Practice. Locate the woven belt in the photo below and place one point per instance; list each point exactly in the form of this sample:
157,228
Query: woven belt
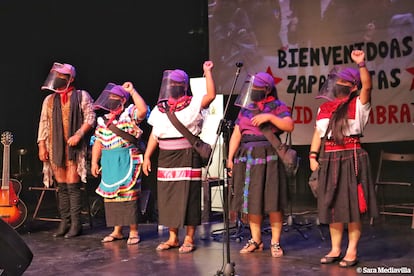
174,144
350,143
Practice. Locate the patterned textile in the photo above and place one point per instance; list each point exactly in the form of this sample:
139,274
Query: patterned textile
127,122
358,116
179,167
121,161
121,169
343,167
179,188
244,117
259,181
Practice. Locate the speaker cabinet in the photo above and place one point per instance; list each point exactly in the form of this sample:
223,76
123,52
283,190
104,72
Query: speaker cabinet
15,255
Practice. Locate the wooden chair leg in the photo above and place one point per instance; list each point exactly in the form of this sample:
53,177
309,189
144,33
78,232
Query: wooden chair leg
39,202
412,220
371,221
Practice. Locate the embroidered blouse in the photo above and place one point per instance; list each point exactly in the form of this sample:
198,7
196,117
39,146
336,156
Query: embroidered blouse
358,116
191,117
244,117
128,121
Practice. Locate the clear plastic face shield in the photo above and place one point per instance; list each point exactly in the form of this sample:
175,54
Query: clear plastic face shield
59,79
251,94
109,99
339,84
174,85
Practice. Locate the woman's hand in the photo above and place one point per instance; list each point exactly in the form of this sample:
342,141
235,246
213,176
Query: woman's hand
261,118
95,169
358,56
146,166
230,167
314,164
43,153
129,87
208,65
74,140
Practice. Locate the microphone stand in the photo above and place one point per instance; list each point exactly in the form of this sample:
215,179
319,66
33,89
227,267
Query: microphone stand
229,267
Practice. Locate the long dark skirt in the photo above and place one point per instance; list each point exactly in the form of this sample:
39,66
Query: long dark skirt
179,188
122,213
258,179
337,191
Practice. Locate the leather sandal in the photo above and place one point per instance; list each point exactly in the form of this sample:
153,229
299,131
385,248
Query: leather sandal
133,240
112,238
252,246
166,246
330,260
276,250
187,248
344,263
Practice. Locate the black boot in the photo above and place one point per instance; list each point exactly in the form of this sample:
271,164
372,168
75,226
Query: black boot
64,210
75,210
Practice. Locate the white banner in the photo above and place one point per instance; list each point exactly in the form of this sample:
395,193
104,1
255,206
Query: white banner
299,41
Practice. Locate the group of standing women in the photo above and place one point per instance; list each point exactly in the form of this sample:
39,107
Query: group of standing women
259,185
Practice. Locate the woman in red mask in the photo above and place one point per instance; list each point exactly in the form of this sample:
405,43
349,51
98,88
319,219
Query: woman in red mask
179,166
258,176
346,189
117,157
66,116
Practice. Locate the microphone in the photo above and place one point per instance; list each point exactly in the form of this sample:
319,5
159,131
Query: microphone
239,64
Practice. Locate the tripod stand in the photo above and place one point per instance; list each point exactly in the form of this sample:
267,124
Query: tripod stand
291,222
295,224
234,232
237,234
228,269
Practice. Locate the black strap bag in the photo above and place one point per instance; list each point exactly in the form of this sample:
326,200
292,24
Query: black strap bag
285,152
129,137
204,149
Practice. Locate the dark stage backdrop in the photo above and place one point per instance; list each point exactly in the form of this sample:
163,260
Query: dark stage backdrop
107,41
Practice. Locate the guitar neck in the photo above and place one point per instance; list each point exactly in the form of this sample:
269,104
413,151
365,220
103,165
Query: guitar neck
6,168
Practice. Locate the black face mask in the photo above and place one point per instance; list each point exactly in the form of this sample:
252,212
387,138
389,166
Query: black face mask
176,91
341,90
257,95
113,104
60,83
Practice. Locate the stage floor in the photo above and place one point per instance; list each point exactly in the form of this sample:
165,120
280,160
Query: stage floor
389,244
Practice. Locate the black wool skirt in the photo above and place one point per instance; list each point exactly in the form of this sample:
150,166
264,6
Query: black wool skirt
339,176
122,213
259,184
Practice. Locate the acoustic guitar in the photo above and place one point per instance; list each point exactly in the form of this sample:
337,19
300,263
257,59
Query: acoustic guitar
12,208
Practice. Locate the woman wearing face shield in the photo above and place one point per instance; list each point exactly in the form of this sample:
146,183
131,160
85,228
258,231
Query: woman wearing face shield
118,160
179,165
346,188
66,116
258,176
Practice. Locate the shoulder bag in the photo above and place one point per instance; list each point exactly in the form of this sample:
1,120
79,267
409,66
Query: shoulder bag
285,152
203,148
